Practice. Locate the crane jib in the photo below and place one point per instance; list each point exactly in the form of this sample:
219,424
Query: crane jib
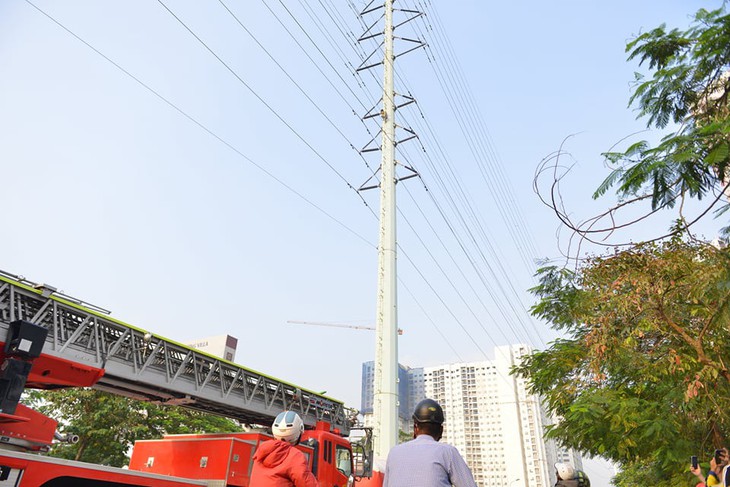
141,365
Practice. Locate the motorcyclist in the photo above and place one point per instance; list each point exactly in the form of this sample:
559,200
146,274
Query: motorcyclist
423,461
568,476
277,463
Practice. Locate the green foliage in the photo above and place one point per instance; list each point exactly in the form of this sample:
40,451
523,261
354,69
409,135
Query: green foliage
641,378
108,425
404,436
646,474
689,87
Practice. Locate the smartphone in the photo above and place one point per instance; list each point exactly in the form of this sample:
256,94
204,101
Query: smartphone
718,456
693,459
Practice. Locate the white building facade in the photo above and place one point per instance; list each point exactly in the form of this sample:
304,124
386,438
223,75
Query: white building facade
223,346
494,422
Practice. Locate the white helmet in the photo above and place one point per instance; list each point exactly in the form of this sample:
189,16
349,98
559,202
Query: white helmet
288,426
565,471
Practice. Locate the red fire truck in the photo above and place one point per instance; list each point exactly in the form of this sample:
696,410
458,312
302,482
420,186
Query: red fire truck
50,340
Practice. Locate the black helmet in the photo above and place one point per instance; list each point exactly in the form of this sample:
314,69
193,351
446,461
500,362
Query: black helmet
428,411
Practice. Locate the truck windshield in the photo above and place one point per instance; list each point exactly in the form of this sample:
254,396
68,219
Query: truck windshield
344,461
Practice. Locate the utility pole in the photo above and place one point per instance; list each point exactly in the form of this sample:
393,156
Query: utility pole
385,400
385,407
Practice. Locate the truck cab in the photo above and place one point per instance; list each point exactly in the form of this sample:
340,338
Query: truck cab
333,456
228,457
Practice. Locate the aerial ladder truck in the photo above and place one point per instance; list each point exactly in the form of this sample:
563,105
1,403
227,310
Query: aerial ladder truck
50,340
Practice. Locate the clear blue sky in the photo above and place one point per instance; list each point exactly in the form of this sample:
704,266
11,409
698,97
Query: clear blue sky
116,198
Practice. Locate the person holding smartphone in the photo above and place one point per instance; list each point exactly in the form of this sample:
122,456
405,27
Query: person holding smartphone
717,463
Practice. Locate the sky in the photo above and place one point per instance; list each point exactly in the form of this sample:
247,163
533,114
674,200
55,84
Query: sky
201,179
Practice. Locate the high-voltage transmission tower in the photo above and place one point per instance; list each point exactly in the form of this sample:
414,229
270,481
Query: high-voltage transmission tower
385,406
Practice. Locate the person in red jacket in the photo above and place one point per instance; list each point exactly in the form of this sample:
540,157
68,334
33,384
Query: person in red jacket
277,463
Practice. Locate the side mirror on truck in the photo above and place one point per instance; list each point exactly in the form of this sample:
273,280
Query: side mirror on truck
363,460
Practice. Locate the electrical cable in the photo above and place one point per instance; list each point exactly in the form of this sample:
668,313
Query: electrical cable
269,107
301,90
199,124
497,301
454,73
428,317
497,260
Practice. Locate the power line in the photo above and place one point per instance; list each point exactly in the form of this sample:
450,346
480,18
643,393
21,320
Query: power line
441,268
506,194
459,191
453,286
428,317
336,48
476,267
474,217
313,43
226,143
269,107
497,302
301,90
200,124
497,262
454,74
448,309
298,23
461,271
476,147
316,65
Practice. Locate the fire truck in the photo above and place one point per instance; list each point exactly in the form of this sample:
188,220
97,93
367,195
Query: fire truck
51,340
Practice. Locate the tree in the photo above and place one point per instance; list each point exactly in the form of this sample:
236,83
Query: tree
643,377
689,87
685,93
108,425
404,436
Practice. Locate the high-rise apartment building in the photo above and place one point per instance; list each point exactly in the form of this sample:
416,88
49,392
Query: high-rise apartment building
569,456
492,420
410,391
